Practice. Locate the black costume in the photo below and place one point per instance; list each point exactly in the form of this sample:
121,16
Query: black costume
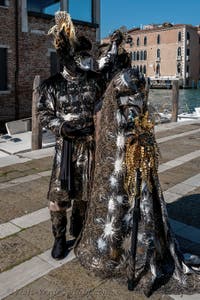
67,106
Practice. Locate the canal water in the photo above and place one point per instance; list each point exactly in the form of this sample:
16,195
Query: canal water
161,99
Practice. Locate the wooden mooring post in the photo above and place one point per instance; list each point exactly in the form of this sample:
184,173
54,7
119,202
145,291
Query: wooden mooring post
36,127
175,100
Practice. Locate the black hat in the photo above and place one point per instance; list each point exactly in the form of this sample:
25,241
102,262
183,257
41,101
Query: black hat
82,44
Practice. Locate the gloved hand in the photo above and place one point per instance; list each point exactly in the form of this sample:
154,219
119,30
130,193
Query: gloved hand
72,131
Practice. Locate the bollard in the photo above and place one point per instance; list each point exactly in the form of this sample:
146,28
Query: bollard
36,127
175,100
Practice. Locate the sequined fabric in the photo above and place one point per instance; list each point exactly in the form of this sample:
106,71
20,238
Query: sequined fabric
71,100
127,231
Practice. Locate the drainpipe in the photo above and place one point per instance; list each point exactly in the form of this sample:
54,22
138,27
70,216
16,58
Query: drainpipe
16,60
64,5
96,17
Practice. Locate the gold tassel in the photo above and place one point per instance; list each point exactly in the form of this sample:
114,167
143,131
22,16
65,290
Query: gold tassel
142,153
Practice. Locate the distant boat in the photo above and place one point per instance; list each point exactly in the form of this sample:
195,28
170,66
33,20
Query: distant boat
165,117
190,116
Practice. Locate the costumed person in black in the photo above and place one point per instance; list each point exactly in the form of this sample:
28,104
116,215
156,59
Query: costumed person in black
127,228
66,107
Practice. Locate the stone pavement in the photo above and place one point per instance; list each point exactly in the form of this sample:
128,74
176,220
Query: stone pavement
27,270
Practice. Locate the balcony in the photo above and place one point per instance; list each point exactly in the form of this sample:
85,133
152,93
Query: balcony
179,58
187,75
187,58
157,59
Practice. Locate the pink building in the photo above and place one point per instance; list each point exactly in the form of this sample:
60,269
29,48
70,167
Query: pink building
167,52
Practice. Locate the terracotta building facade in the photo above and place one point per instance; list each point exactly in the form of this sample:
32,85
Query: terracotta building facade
167,52
26,50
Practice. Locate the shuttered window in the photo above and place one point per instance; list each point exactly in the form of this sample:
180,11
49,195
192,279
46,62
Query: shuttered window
3,69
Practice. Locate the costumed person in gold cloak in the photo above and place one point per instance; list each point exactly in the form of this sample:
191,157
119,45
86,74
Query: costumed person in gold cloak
67,105
127,228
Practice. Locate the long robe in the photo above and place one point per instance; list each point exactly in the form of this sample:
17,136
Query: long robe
127,229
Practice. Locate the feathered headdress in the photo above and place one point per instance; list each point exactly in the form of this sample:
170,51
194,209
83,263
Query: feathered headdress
64,25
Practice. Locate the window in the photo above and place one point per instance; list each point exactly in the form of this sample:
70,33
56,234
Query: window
158,69
188,36
179,36
179,51
141,69
138,55
158,53
144,69
54,63
134,55
145,55
138,41
187,69
188,52
145,41
179,68
158,39
3,68
49,7
81,10
141,55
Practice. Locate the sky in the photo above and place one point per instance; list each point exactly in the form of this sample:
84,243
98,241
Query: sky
135,13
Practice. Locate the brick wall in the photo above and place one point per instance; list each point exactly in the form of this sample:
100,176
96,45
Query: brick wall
7,39
34,57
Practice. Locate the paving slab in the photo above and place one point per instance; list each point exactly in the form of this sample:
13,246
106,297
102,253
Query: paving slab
32,219
14,250
23,199
75,279
178,174
37,154
41,289
162,131
179,135
176,148
10,281
176,125
11,160
29,167
40,236
179,161
7,229
30,270
186,297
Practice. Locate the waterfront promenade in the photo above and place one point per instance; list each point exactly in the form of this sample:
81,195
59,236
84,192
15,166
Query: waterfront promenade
27,270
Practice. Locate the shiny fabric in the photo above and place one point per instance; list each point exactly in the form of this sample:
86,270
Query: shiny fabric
127,229
71,101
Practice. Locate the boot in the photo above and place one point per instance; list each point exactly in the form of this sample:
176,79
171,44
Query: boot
59,223
77,217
